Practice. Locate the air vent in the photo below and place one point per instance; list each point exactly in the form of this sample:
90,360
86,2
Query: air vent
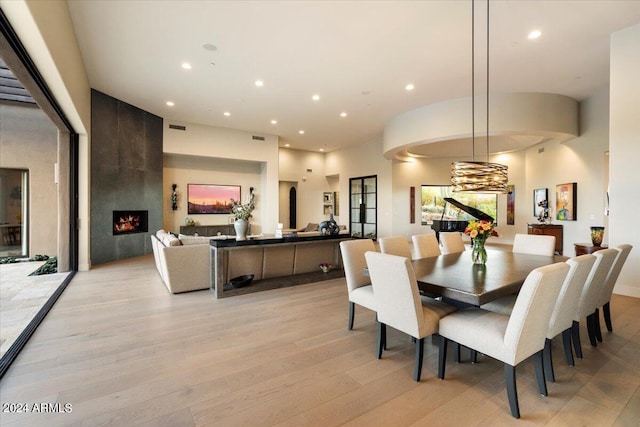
176,127
540,150
257,138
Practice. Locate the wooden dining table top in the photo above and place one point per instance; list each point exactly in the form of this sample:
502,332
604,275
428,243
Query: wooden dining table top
455,277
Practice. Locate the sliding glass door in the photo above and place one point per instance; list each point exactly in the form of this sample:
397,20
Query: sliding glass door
14,212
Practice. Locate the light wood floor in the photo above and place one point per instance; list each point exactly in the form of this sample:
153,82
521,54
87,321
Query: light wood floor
122,352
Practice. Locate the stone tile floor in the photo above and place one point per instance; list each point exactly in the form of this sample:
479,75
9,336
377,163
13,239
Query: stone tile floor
21,297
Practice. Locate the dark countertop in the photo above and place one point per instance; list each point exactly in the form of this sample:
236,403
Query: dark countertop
232,243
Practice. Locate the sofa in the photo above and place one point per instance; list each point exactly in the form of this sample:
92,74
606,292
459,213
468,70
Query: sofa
182,261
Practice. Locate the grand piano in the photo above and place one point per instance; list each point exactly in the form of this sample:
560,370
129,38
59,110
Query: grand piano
446,225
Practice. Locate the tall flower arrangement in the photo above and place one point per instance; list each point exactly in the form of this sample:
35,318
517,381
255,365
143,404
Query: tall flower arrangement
243,211
479,231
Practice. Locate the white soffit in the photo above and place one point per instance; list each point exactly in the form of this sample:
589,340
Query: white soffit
517,121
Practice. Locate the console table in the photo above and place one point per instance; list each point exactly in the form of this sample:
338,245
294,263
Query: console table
208,230
587,248
289,260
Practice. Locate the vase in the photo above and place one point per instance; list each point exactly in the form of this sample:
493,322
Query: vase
241,226
596,235
478,252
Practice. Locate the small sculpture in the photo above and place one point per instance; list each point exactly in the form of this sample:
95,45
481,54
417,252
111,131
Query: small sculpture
329,227
174,197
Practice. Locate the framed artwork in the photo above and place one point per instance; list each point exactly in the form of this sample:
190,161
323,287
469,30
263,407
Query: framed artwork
432,204
511,204
540,199
211,198
328,198
566,201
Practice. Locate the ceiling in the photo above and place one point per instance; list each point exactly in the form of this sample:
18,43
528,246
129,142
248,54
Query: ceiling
358,56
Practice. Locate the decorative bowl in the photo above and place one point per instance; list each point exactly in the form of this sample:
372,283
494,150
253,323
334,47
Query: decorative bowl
241,281
325,267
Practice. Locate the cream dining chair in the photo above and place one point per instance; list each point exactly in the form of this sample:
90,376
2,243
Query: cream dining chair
397,245
358,283
589,297
399,305
535,244
425,246
451,242
565,308
604,298
510,339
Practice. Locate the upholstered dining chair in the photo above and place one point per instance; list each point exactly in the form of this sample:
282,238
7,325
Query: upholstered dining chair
397,245
589,297
534,244
561,318
604,298
399,305
425,246
358,283
510,339
451,242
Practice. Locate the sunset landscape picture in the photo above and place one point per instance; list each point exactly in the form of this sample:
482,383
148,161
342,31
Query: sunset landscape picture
210,198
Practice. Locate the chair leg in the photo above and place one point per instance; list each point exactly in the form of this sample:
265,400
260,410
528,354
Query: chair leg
442,356
474,356
606,313
417,372
566,343
457,353
382,338
538,361
597,330
512,391
547,358
352,313
591,326
575,337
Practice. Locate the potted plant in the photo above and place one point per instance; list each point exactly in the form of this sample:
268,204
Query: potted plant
241,214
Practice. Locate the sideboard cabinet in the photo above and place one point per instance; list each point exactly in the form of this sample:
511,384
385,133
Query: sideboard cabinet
548,230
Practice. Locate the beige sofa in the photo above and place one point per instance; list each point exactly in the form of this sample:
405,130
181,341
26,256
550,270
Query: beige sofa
183,264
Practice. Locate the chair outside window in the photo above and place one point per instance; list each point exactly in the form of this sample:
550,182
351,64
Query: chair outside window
398,245
534,244
510,339
358,283
451,242
425,246
399,304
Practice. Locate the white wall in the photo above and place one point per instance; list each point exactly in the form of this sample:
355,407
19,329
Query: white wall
624,138
363,160
579,160
208,144
23,132
307,169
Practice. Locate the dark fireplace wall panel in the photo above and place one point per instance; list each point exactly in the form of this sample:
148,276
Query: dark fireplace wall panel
126,174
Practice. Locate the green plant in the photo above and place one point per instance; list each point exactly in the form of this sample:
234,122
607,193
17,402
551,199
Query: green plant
49,267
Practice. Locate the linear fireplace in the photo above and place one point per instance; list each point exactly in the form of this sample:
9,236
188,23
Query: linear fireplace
129,222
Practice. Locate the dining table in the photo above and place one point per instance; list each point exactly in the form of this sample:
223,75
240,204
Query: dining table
455,276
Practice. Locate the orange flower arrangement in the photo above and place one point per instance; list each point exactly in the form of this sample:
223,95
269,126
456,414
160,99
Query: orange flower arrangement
480,230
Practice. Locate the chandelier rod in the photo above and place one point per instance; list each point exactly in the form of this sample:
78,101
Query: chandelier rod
487,80
473,81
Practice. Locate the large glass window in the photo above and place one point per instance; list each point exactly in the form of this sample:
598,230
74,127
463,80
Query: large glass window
13,212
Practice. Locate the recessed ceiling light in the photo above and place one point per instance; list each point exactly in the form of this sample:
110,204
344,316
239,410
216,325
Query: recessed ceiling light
186,65
409,87
226,113
534,34
343,114
316,97
170,103
210,47
259,83
287,145
322,149
301,132
274,122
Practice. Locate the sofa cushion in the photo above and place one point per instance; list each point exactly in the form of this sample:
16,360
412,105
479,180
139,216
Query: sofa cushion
311,227
193,240
170,240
